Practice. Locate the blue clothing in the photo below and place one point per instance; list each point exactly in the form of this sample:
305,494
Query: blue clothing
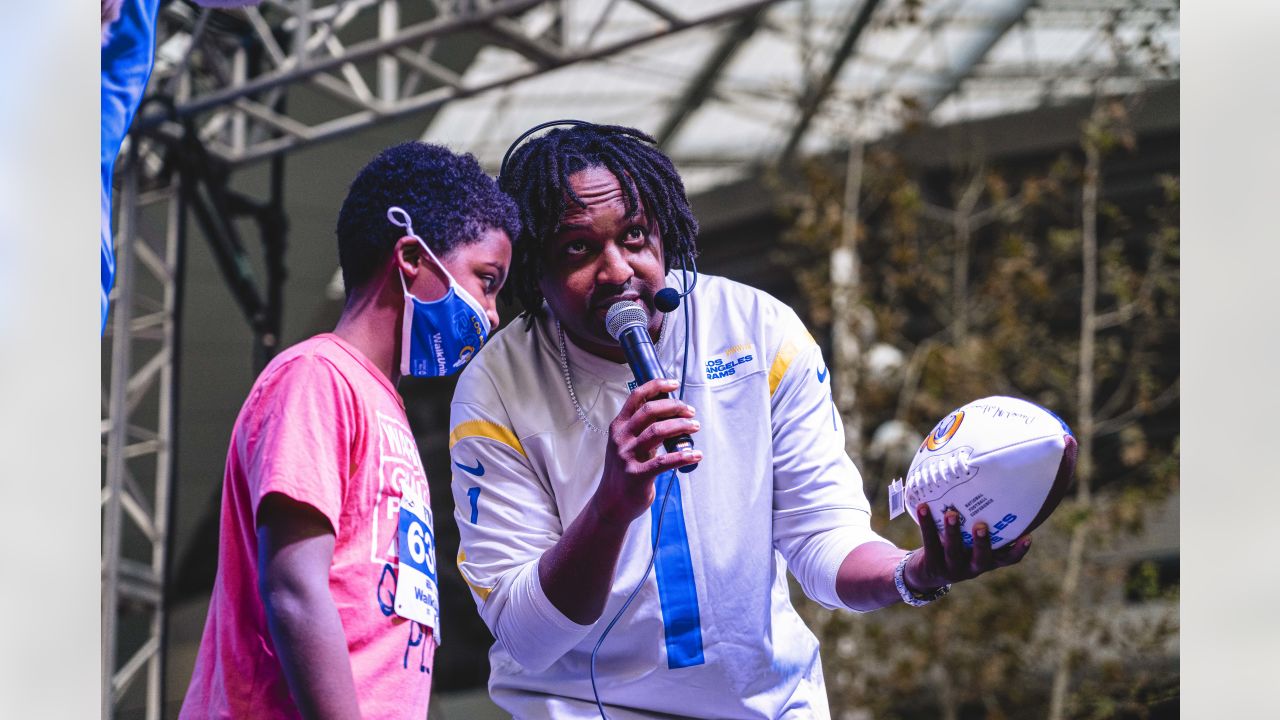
713,633
126,66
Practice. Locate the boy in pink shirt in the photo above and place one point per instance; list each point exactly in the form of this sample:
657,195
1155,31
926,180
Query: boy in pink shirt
325,602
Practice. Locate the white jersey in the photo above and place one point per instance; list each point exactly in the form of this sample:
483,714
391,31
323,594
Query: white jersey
712,634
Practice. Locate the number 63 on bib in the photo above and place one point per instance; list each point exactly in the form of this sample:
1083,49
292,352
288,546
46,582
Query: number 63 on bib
417,597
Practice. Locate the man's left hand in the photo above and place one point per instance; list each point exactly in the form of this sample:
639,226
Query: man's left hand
945,558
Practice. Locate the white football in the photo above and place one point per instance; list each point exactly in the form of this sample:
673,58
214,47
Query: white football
999,460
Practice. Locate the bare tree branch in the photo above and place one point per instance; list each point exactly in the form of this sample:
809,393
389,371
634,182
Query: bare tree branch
1119,316
1108,409
1160,402
984,217
911,376
936,212
846,294
1129,310
1067,629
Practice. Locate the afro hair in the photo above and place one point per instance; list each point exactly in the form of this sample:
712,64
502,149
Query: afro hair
449,198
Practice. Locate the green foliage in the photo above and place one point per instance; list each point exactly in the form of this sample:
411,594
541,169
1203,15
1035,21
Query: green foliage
987,651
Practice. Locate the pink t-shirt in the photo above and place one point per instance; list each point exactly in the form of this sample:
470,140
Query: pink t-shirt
324,427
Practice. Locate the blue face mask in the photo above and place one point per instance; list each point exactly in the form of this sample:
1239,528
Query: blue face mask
440,336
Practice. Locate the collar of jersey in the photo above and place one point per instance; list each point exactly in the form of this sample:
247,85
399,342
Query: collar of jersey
591,373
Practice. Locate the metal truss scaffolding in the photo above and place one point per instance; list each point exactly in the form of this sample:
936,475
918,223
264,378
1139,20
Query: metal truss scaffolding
138,435
746,83
140,427
379,60
217,101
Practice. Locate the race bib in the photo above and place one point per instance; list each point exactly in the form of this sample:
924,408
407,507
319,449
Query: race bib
417,597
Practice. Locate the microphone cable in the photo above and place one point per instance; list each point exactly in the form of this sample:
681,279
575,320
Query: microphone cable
657,532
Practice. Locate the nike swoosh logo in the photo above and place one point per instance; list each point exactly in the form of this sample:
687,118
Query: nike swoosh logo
478,470
822,375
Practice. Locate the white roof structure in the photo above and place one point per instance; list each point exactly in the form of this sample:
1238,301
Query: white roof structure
725,85
809,75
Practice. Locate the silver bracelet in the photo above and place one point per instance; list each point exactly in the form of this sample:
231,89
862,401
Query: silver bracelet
909,597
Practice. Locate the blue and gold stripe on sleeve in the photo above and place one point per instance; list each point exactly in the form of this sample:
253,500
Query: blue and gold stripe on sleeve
791,347
485,429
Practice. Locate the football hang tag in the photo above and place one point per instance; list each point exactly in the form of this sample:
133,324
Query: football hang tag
417,597
896,504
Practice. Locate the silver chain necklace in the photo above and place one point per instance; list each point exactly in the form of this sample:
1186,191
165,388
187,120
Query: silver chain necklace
568,378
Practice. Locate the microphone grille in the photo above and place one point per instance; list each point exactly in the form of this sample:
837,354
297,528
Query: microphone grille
624,314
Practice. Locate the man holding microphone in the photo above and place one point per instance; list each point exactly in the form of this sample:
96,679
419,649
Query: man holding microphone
566,494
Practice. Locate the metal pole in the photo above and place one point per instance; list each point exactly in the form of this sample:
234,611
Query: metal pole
166,461
121,367
388,68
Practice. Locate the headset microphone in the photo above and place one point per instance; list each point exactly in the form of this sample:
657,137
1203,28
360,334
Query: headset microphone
668,299
502,169
640,351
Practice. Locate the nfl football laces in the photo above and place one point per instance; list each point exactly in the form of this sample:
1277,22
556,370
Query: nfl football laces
936,476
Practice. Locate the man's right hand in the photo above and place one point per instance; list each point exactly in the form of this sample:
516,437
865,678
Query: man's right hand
635,455
577,572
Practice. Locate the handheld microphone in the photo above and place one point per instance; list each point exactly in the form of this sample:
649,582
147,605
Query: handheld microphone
628,323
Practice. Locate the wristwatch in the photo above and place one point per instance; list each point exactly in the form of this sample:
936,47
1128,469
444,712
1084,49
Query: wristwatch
908,596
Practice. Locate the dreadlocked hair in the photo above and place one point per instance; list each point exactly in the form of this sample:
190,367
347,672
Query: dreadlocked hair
537,178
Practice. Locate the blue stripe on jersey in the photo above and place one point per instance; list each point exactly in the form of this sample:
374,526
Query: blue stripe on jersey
676,589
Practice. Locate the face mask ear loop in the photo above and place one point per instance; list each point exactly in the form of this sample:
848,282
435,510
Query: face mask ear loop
400,218
394,215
